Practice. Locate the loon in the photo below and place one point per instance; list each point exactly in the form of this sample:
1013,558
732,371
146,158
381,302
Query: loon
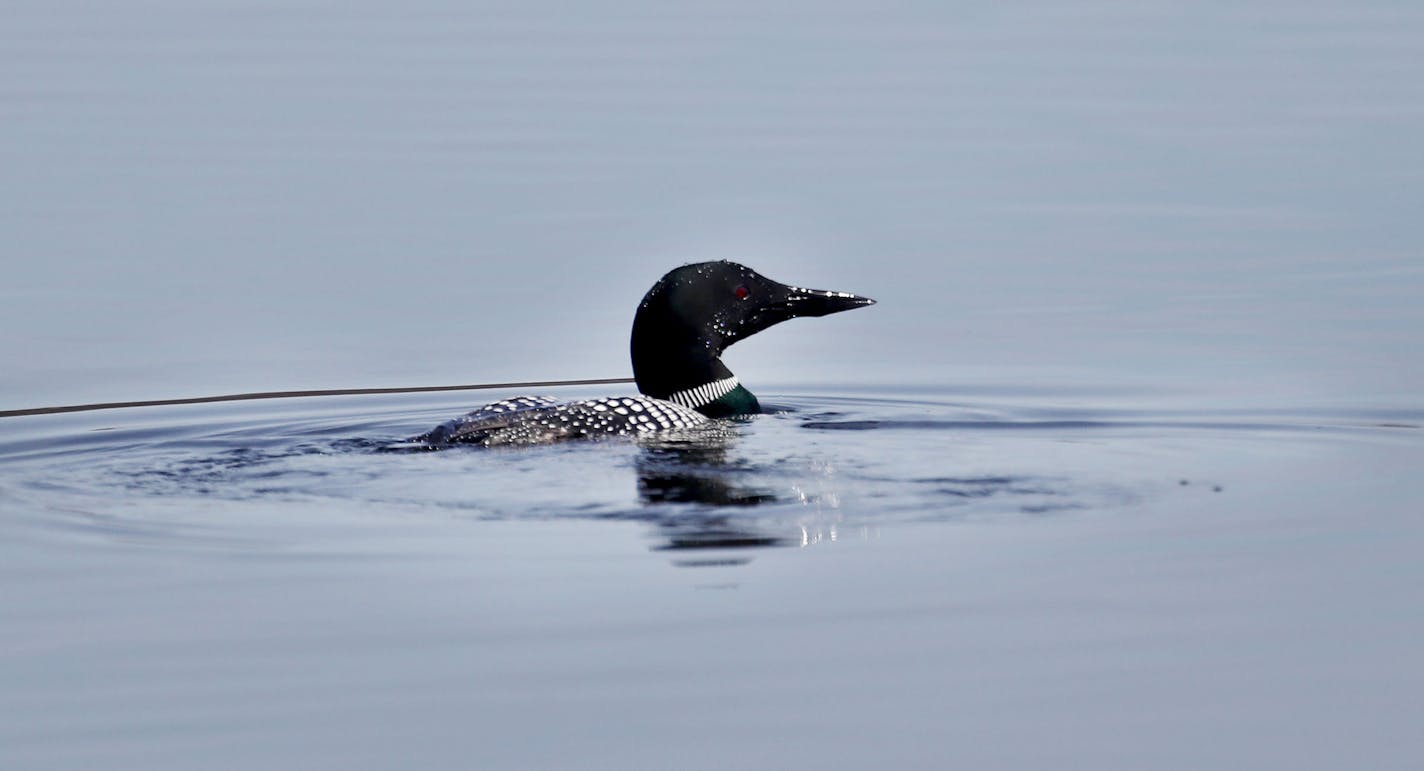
681,328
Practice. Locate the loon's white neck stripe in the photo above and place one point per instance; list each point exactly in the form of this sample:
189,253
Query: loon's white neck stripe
703,395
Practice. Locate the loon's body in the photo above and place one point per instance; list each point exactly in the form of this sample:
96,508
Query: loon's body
682,326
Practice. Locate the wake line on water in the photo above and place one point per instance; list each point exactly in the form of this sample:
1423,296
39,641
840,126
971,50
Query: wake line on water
1057,425
306,394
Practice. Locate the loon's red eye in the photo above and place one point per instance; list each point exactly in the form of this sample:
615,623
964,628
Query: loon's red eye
743,292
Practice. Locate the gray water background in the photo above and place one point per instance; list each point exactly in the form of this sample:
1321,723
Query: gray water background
1121,472
229,196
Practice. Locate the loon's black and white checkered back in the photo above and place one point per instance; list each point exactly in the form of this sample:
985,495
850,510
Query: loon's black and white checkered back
540,419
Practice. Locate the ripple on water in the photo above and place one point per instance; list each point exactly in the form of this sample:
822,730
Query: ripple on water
814,465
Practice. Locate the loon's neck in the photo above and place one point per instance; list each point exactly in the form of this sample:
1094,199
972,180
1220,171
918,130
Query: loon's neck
681,362
738,401
708,386
718,399
690,373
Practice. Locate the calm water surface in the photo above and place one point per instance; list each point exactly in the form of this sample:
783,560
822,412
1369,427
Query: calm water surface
1123,470
884,575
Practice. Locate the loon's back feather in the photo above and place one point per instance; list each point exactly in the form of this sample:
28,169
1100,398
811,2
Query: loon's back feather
540,419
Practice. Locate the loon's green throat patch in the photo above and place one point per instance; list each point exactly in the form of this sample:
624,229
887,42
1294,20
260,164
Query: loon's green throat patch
705,394
738,401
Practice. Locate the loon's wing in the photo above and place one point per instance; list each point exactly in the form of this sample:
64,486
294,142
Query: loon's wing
478,426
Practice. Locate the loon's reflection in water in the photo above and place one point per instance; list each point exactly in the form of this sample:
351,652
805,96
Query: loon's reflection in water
698,474
704,477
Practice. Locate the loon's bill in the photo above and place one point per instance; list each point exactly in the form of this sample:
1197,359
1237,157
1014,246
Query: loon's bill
682,326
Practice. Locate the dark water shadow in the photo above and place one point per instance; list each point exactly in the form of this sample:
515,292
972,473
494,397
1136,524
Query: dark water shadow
695,474
688,487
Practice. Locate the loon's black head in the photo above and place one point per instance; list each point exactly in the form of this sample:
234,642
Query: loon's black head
694,312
